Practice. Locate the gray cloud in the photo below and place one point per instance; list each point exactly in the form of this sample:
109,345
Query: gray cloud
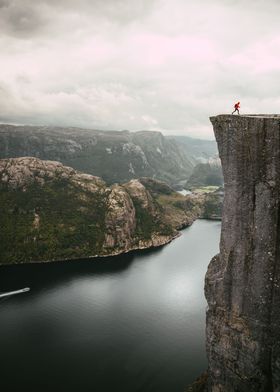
19,19
127,64
25,18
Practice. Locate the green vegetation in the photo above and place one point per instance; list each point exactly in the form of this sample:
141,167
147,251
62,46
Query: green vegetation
70,223
50,212
213,206
179,211
204,175
145,223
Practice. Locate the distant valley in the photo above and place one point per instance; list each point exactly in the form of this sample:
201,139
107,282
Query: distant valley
116,156
197,150
69,193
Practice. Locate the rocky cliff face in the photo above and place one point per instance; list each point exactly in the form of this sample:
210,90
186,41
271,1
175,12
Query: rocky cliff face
242,282
53,212
116,156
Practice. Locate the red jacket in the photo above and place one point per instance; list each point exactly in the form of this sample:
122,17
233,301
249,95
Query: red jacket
237,105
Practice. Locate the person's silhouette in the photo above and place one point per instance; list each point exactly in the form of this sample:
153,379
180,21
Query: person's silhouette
236,108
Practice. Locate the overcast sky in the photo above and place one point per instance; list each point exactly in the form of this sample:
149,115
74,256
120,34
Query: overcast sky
137,64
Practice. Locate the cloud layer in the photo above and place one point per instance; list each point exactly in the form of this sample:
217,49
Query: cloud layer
132,64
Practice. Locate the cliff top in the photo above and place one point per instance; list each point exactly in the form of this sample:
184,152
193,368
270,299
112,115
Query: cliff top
276,116
19,172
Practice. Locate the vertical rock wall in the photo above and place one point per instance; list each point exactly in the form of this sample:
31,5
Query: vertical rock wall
242,282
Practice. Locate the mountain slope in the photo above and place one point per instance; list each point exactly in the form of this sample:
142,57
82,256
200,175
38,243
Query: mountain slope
52,212
116,156
205,174
197,150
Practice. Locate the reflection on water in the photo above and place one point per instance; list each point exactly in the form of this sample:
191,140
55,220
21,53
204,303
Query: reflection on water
127,323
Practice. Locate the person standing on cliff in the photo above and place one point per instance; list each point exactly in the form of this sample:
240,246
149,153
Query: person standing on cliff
236,108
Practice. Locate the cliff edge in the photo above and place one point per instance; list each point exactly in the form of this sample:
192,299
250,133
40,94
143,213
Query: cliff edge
242,282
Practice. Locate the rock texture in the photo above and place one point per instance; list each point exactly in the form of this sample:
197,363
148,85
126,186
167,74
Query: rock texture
242,282
53,212
116,156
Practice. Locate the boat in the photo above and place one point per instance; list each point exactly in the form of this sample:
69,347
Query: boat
8,293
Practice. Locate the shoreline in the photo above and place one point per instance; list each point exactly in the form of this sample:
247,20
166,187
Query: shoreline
117,253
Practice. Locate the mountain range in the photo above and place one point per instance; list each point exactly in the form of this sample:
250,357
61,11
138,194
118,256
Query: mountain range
116,156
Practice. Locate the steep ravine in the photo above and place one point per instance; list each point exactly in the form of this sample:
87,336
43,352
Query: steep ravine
242,282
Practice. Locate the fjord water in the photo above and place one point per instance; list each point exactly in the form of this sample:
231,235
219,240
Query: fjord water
128,323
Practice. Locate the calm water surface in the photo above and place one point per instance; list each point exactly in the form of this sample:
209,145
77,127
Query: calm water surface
130,323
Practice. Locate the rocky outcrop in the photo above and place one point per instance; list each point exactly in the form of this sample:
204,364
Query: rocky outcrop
18,173
179,211
242,284
116,156
120,222
53,212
